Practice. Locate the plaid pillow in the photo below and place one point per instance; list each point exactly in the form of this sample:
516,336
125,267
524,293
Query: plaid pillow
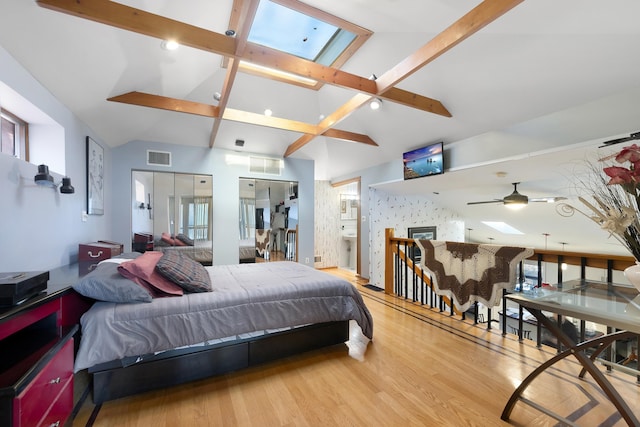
190,275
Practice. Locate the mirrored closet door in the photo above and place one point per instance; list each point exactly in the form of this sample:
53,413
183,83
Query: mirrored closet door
268,220
172,211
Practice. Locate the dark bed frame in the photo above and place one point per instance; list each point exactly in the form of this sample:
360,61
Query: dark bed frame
113,380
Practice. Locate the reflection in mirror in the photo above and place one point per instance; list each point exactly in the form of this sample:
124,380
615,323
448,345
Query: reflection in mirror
348,206
172,211
268,220
247,220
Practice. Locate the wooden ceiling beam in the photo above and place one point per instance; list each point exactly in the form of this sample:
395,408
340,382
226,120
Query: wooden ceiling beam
206,110
330,121
349,136
272,122
166,103
479,17
131,19
247,11
413,100
141,22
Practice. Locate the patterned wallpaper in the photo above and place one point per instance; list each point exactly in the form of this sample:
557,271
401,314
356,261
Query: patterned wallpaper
400,213
327,224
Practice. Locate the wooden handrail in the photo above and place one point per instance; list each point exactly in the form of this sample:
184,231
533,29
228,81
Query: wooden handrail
390,251
619,262
392,243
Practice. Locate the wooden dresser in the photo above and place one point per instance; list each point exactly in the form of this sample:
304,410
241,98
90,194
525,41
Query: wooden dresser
37,353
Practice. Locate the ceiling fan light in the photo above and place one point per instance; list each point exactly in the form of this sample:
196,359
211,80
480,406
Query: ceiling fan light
517,205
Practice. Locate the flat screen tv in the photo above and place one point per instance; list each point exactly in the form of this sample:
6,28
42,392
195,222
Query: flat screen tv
423,161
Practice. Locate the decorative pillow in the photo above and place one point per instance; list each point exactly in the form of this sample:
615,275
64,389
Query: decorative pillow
166,237
142,270
184,271
178,242
105,283
184,239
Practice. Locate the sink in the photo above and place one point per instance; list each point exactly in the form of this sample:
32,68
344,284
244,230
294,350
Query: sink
349,236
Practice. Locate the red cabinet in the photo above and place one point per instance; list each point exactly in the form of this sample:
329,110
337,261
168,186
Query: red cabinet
48,398
37,354
97,251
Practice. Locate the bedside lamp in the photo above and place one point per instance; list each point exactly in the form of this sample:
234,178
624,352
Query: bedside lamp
44,178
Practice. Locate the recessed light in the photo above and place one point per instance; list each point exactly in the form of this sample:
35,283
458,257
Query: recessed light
170,44
268,112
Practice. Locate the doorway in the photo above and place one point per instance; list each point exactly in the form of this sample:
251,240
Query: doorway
349,247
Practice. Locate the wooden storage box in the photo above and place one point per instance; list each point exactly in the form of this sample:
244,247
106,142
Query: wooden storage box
142,242
16,287
97,251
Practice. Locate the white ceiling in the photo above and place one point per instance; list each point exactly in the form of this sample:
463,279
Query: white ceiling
545,75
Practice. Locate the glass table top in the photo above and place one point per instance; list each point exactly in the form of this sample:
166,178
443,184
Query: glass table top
608,304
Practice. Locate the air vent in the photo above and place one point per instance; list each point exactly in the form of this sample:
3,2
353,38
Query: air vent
265,165
158,158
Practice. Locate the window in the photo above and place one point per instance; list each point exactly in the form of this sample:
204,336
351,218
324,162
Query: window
295,28
298,34
14,136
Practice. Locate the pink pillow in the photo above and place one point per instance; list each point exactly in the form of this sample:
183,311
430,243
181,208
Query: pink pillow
142,270
166,237
178,242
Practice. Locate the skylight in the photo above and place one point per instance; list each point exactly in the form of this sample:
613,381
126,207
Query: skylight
502,227
297,33
300,32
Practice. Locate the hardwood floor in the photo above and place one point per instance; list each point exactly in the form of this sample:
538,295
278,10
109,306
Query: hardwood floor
423,368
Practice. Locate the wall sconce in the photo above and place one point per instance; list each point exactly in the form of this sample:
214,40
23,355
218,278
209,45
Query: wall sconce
44,178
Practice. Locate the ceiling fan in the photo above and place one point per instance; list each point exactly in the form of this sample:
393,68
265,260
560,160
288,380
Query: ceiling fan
631,137
516,200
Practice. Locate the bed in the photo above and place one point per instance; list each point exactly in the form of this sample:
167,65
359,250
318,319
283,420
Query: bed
247,250
255,313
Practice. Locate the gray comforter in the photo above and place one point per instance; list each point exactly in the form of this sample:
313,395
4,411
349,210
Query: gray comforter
245,298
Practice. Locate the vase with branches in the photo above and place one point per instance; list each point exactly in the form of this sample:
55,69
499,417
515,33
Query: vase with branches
612,197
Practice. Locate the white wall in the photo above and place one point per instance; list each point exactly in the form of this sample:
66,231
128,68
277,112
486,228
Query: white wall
40,227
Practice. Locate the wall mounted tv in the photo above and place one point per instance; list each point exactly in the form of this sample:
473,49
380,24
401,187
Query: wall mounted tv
423,161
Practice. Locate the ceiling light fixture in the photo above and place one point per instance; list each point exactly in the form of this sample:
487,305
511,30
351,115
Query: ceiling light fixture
268,112
217,96
170,44
375,103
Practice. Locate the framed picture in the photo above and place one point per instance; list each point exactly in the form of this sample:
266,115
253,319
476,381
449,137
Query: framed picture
343,206
424,233
95,178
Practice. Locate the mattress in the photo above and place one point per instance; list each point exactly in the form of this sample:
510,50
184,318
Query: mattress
247,249
246,298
